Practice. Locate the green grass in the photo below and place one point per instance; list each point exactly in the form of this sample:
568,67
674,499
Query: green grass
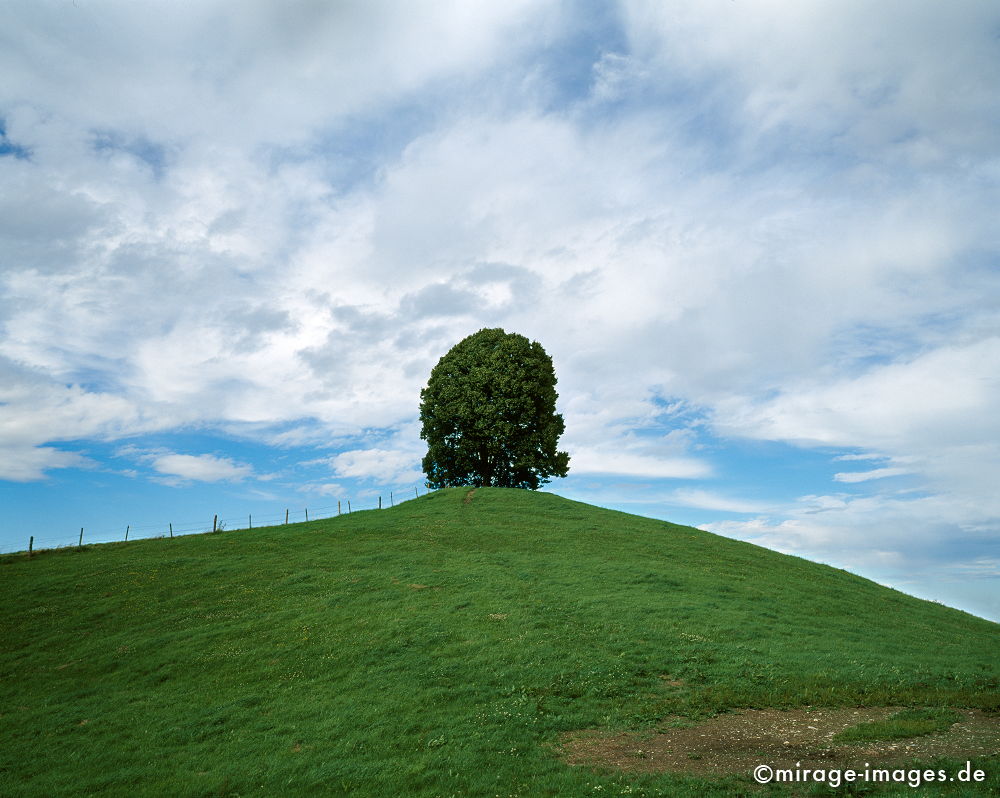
907,723
436,649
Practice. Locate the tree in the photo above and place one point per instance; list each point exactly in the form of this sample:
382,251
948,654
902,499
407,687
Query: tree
489,417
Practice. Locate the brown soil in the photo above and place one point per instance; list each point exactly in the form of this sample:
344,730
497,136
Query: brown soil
469,495
737,742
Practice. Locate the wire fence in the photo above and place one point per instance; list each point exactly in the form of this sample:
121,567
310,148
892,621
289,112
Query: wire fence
172,529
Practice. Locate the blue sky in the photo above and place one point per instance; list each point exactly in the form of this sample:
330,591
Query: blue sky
758,239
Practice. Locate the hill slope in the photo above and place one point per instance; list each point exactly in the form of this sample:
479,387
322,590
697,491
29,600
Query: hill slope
436,648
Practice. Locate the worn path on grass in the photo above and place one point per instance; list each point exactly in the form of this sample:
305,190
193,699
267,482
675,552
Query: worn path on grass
736,742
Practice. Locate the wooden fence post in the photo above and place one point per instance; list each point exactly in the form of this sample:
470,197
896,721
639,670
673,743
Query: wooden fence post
127,528
31,545
80,544
307,514
338,506
415,495
391,502
250,521
286,515
348,506
171,530
380,502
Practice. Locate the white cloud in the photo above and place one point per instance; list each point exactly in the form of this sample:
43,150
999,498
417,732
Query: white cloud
709,500
933,415
980,568
200,468
905,77
29,463
596,461
614,75
35,412
945,395
231,76
864,476
334,489
387,466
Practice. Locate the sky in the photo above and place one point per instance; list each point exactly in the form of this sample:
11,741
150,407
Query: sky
759,240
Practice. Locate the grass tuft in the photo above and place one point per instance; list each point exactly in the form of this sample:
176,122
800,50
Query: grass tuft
907,723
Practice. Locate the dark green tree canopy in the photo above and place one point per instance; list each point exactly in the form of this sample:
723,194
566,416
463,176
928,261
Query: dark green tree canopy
489,415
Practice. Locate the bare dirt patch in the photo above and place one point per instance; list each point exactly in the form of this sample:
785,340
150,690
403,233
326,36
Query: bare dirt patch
468,496
735,743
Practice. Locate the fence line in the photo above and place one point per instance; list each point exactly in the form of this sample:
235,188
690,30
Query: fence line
217,524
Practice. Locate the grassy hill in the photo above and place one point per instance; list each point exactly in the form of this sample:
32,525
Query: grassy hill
438,648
